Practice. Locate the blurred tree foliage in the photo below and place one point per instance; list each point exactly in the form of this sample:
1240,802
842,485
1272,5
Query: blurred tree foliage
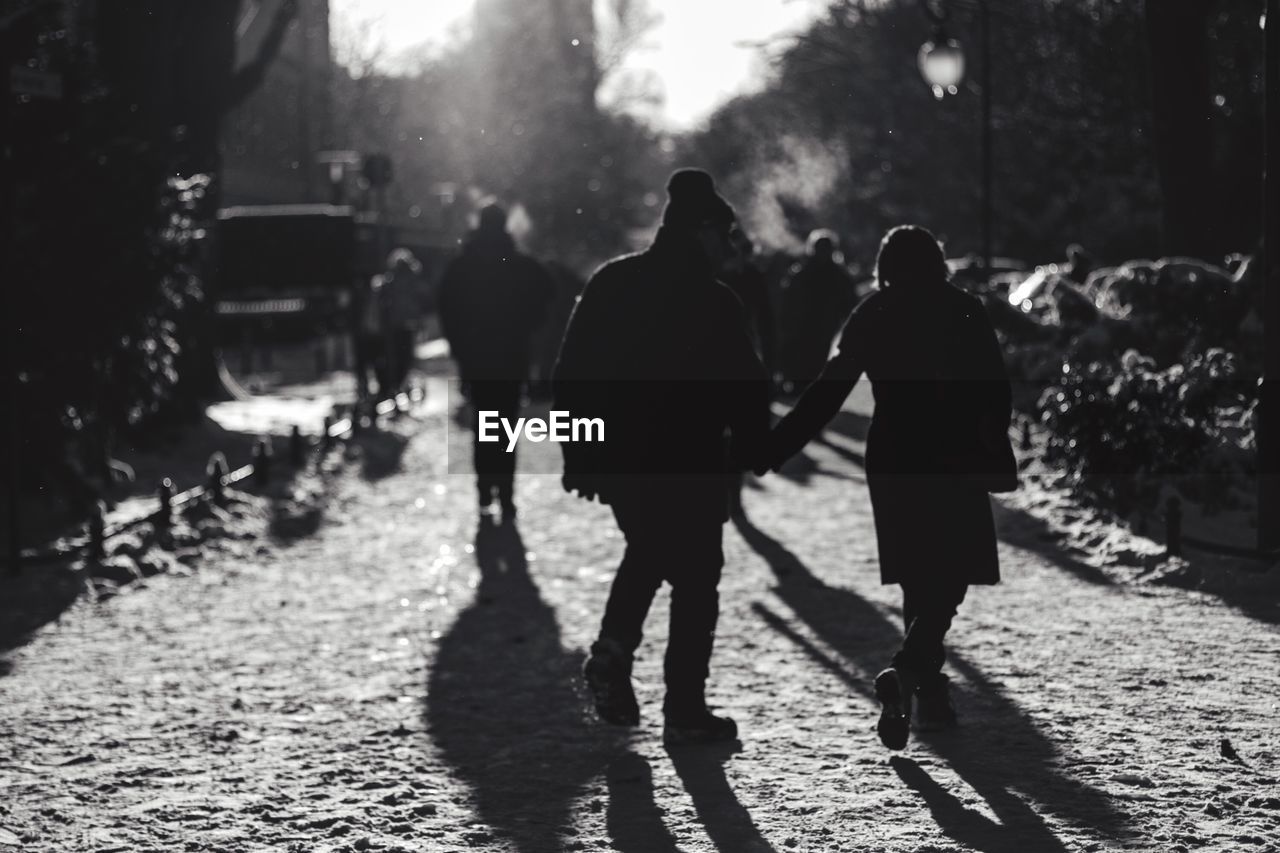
511,109
847,135
112,184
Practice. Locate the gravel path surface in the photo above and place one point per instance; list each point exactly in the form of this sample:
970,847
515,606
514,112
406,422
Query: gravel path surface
406,679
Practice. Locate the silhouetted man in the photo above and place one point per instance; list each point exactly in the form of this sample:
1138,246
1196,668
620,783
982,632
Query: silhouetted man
659,350
492,300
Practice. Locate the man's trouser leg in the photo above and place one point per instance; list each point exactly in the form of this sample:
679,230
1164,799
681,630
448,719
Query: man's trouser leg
696,559
638,577
927,609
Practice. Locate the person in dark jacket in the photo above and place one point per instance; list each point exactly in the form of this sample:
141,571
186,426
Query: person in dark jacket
815,295
493,299
937,444
658,349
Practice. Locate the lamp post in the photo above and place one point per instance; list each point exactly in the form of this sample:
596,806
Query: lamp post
942,65
1269,402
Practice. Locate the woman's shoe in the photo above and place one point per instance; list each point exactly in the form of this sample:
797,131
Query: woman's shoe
893,690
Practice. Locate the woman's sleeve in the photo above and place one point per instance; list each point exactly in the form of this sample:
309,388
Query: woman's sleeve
822,400
996,390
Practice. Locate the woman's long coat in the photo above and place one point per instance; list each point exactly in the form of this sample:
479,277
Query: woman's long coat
938,440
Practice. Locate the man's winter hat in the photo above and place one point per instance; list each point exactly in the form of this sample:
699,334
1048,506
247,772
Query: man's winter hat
694,202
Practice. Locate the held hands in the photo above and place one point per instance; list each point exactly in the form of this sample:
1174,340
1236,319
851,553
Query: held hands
769,456
584,484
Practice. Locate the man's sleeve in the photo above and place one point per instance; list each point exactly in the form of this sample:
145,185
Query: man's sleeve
748,391
576,383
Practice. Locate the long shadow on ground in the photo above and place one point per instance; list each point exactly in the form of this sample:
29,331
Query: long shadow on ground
380,453
634,821
502,705
865,639
35,597
701,771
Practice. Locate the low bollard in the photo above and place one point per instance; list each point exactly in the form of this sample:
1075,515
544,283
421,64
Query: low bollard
1026,434
217,474
261,463
297,447
97,530
1173,526
165,514
326,437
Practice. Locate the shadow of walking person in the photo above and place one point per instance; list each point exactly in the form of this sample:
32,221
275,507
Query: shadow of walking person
380,453
967,826
502,706
865,638
634,821
727,822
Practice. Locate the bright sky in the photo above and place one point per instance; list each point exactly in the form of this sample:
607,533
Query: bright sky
700,52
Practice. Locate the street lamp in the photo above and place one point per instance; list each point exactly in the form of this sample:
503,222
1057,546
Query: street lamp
942,66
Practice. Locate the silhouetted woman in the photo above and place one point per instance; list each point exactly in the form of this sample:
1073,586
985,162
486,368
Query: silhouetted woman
938,443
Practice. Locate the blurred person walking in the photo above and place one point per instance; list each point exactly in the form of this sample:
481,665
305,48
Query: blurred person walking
745,279
400,307
659,349
816,294
493,298
369,338
937,444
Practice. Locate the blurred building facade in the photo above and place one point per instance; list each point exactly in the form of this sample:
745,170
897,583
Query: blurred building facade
270,141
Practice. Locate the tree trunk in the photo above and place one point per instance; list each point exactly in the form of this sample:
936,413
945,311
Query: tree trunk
1177,35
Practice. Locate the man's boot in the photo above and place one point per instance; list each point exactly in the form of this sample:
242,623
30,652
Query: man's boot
608,676
689,720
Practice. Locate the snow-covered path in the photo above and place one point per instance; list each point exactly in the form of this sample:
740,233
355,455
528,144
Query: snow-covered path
406,679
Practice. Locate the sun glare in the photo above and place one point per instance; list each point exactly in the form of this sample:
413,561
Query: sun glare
700,53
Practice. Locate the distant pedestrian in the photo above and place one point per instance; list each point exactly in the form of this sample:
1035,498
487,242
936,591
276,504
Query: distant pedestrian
816,295
493,298
659,349
369,338
398,297
745,279
937,444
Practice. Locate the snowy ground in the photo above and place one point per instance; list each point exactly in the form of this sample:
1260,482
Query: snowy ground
404,678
